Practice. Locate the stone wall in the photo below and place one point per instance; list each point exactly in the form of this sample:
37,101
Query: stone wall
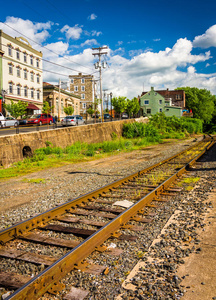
15,147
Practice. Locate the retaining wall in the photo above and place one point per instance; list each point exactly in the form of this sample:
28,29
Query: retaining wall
14,148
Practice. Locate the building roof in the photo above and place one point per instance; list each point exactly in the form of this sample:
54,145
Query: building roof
49,87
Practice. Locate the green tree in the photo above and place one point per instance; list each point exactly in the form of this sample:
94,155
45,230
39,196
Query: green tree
16,109
69,110
201,101
132,106
46,109
119,104
90,111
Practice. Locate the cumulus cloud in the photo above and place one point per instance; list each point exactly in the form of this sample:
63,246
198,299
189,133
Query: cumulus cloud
89,43
92,17
159,69
206,40
73,33
34,32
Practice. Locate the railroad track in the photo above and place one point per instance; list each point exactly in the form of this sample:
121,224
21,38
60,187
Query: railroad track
82,225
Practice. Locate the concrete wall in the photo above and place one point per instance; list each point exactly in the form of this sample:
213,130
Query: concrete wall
12,148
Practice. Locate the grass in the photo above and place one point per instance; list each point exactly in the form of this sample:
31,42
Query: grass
52,157
36,180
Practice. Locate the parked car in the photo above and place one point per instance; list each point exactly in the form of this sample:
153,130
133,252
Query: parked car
24,120
40,119
106,116
124,116
9,121
72,120
95,116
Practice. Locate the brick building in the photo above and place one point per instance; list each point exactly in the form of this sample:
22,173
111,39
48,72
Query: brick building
83,86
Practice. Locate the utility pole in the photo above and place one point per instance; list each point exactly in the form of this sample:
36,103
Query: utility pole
59,102
99,65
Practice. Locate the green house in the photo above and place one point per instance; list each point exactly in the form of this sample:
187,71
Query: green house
152,103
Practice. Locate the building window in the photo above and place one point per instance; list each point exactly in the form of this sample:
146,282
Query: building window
82,88
18,71
25,57
25,74
76,89
82,80
160,109
38,78
11,88
18,90
84,105
148,111
17,54
72,81
146,102
38,95
82,96
37,63
25,91
32,93
178,97
31,60
32,76
9,50
10,69
160,101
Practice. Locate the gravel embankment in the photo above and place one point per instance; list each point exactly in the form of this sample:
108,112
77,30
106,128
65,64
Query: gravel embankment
157,278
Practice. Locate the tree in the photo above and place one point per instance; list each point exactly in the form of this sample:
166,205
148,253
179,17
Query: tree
119,104
132,106
201,101
90,111
46,109
69,110
16,109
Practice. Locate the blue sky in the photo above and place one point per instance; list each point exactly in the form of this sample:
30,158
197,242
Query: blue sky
165,44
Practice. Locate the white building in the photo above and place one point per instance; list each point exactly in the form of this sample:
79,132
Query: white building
21,75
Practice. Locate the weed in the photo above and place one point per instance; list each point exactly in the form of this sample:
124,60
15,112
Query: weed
36,180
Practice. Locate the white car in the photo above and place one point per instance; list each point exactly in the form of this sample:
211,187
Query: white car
9,121
72,120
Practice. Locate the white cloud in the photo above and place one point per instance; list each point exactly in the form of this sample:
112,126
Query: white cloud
159,69
59,47
156,40
89,43
135,52
92,17
96,33
73,33
33,32
206,40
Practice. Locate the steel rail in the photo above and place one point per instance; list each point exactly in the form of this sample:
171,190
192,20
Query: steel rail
43,282
43,218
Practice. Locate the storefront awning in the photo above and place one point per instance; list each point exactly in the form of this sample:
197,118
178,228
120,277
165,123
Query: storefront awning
32,106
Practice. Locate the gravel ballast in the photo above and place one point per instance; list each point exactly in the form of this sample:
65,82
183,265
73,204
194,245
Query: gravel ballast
160,252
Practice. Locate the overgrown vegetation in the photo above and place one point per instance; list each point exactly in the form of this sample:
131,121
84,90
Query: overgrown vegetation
49,156
160,127
135,135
